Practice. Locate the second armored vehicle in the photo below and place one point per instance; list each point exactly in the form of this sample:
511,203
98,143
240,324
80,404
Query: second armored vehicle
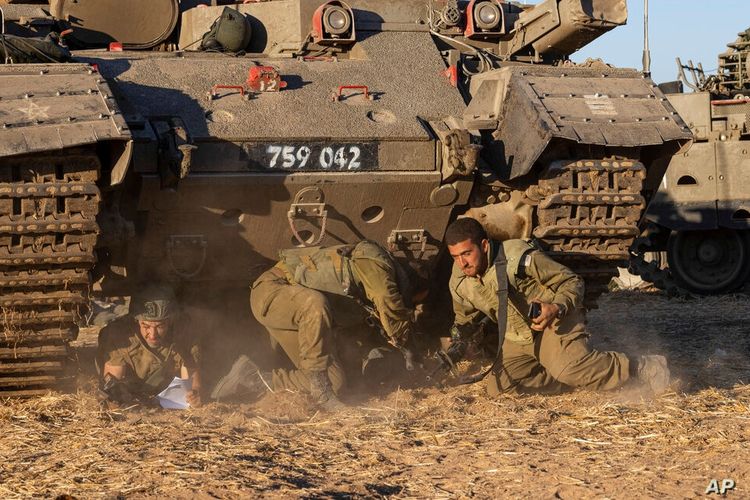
700,215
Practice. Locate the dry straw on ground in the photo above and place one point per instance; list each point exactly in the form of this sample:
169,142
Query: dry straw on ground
451,443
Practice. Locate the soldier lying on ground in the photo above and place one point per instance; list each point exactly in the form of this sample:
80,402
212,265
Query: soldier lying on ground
550,352
291,301
140,354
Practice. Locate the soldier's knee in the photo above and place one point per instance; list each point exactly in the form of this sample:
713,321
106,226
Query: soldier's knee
315,305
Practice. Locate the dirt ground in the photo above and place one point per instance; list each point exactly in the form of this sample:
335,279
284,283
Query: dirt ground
424,442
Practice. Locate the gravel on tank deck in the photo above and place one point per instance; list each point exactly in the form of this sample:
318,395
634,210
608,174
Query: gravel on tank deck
421,442
178,86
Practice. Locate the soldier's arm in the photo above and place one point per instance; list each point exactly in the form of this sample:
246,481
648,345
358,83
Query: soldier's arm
382,290
116,371
465,315
114,384
567,286
192,369
194,396
115,363
466,321
111,355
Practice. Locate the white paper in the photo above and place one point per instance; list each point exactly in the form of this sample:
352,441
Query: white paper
174,397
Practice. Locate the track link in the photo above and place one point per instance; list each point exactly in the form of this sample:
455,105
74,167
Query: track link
48,231
588,214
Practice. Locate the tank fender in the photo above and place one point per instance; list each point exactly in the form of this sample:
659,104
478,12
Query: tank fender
531,109
62,106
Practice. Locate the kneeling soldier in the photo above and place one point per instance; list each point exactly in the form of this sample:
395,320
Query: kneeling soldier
550,352
290,301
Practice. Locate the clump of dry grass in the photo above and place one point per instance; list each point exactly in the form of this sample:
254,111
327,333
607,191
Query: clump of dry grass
421,442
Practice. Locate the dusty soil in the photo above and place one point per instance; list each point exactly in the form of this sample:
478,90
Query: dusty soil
424,442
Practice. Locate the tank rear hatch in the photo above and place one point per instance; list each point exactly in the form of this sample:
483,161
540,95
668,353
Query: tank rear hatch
701,210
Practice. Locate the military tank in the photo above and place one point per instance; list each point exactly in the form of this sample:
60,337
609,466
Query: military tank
145,158
700,215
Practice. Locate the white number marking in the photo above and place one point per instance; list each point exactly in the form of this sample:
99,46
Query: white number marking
275,151
340,158
354,164
288,155
303,154
326,158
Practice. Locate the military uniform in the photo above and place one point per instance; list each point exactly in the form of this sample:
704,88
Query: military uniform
290,301
149,369
550,361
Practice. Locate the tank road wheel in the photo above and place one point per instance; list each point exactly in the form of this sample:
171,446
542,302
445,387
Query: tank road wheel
709,262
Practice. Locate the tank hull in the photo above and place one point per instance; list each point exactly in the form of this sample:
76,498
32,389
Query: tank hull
202,165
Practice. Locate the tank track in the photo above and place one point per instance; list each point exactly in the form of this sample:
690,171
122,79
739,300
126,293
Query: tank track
48,230
588,214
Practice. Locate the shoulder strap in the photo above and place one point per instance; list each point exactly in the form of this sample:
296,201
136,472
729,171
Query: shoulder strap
501,265
515,253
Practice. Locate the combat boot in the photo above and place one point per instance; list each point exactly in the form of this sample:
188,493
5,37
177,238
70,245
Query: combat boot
244,376
653,371
322,392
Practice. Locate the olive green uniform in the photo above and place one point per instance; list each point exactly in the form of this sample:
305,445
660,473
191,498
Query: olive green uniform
550,361
148,369
290,301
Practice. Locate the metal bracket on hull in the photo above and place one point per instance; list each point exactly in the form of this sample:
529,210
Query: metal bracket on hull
175,151
400,238
309,203
183,243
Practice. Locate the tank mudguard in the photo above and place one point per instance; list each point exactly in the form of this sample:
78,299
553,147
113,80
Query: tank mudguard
529,108
48,107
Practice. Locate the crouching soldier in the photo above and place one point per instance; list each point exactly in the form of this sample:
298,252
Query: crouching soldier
290,301
140,354
544,351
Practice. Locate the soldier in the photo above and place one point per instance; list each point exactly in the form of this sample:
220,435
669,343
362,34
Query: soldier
548,353
140,354
290,301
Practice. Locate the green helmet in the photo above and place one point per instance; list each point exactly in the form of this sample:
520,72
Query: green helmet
155,303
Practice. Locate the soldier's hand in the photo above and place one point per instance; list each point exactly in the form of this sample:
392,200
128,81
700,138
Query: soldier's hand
194,398
547,315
